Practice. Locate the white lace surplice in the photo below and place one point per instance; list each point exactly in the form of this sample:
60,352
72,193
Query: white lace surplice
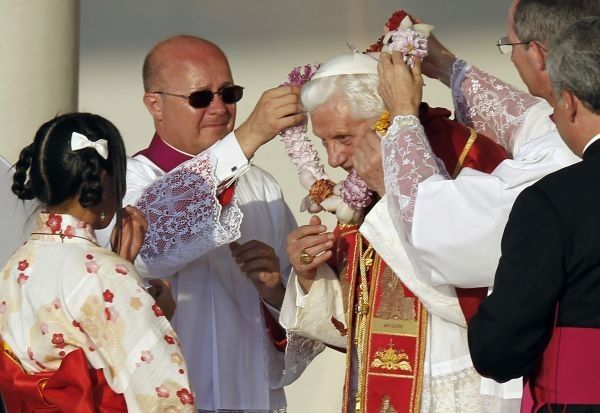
233,362
451,229
61,292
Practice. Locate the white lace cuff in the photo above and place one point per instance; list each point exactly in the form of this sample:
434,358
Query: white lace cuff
185,219
407,160
487,104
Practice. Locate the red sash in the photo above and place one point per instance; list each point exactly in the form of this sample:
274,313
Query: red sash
569,370
74,387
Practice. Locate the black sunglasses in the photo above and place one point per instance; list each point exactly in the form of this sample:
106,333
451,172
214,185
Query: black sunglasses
203,98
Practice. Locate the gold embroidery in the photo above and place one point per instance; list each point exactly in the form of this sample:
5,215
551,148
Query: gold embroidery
386,405
465,152
391,359
394,305
362,311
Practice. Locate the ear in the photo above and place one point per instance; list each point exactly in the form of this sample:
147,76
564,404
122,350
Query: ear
570,104
538,55
153,104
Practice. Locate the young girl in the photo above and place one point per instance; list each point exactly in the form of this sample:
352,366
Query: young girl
79,331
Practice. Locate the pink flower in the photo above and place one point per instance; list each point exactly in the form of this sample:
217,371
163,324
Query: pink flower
23,265
77,325
157,310
111,313
121,269
410,43
108,296
185,396
161,392
58,340
22,278
301,74
69,232
355,192
91,267
147,356
54,222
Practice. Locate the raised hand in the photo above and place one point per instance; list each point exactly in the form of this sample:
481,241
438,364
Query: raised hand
276,110
133,231
439,61
261,265
400,86
308,247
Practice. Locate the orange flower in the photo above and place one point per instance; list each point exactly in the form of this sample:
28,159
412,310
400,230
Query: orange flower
382,124
321,190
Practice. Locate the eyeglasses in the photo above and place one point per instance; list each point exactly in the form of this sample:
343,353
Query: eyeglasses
505,47
203,98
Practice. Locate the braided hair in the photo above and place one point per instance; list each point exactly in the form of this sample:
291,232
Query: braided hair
51,172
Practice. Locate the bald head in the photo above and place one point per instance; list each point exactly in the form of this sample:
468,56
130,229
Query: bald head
176,68
175,51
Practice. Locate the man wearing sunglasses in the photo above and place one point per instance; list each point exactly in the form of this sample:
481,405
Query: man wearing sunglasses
455,226
226,294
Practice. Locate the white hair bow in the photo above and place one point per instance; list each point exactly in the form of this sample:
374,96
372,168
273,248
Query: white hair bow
79,141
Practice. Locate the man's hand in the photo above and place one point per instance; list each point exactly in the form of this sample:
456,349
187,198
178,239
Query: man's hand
400,86
366,160
261,264
133,231
439,62
161,291
314,241
276,110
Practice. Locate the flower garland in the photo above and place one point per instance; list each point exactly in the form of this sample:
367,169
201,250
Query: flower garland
349,198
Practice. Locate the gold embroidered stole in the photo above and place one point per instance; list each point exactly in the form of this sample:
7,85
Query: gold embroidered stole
388,331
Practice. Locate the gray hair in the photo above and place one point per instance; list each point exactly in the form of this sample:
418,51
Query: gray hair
540,20
574,62
359,92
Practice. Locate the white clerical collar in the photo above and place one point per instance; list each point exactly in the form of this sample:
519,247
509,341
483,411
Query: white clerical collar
594,139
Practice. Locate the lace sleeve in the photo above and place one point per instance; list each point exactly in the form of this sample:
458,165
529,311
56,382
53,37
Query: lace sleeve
487,104
185,219
407,161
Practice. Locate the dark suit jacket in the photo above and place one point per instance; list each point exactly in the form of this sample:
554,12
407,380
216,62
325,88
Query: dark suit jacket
550,254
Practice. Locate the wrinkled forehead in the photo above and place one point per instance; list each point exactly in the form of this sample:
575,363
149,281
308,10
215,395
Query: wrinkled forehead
336,119
330,115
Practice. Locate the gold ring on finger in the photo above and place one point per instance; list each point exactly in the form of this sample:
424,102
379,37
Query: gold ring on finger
306,258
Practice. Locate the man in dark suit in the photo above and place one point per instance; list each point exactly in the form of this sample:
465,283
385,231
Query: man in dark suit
542,319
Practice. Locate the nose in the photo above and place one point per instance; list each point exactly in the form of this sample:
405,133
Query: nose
336,155
217,105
